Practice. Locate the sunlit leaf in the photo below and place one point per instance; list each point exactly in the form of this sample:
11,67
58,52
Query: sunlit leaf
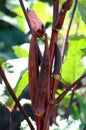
75,112
43,11
17,77
65,101
23,81
20,18
82,9
76,37
82,1
18,10
20,52
58,92
72,67
2,60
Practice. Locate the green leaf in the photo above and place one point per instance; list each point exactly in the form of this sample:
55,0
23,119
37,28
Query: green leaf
10,35
20,18
65,100
18,11
72,67
76,37
48,1
19,51
75,112
58,92
84,50
82,1
21,84
2,60
82,10
82,104
43,11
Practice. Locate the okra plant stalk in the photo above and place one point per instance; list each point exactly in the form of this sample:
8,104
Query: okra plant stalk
43,79
42,92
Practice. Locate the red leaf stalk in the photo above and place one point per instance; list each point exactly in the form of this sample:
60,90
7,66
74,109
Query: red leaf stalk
60,19
57,25
68,29
56,101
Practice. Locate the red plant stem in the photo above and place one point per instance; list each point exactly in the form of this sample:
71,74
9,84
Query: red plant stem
15,98
38,122
55,10
54,38
70,104
48,109
57,24
68,29
60,19
55,83
56,101
54,35
52,45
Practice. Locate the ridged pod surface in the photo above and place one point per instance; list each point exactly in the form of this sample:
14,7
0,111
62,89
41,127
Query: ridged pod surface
33,67
43,83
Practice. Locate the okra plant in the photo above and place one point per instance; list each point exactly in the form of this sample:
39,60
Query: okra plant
45,70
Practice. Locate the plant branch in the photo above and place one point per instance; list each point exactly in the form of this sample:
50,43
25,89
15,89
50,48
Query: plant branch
68,29
60,19
15,98
48,109
70,104
25,13
55,10
56,101
54,38
54,35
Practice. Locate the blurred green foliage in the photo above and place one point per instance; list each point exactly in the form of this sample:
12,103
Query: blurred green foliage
11,32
